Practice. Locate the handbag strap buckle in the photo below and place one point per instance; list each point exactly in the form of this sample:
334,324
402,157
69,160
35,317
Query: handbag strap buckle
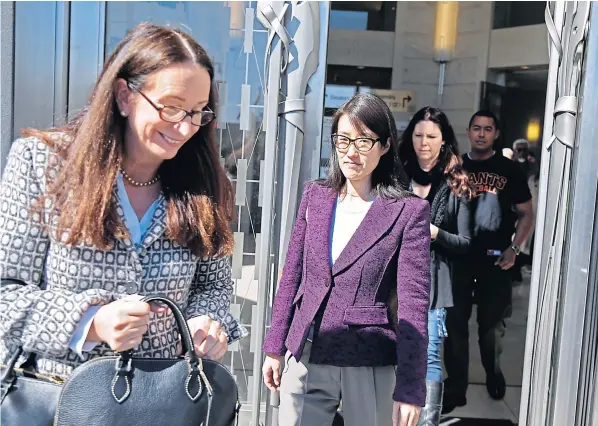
121,384
124,364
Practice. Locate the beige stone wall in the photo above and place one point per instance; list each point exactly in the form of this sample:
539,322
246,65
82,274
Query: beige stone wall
519,46
414,67
360,48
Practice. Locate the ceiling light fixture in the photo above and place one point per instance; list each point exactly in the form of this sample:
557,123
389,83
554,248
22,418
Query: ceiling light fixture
445,38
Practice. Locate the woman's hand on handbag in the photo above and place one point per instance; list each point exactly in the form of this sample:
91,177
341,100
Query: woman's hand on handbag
122,323
209,338
271,372
404,414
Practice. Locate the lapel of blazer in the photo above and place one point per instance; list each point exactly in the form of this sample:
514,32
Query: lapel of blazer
126,239
158,224
377,221
319,219
155,230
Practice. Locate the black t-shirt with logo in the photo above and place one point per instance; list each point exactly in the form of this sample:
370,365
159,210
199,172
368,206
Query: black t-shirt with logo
498,186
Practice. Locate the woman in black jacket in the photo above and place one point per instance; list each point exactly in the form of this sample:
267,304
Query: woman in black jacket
430,156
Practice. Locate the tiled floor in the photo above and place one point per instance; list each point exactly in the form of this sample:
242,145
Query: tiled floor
479,404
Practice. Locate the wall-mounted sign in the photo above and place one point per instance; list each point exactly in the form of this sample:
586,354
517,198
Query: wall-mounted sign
397,100
335,95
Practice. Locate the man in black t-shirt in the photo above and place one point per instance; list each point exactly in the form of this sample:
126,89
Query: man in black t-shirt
501,207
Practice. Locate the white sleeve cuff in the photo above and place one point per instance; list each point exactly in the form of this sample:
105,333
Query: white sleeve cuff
78,342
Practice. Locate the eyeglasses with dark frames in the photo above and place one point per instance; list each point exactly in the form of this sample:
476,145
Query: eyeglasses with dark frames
361,144
172,114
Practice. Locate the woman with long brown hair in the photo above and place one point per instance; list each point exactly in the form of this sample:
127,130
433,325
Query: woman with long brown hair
430,155
127,199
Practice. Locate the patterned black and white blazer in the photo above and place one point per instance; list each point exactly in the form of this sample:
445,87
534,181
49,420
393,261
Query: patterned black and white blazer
63,281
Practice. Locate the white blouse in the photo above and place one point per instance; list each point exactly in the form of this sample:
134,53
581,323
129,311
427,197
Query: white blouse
348,215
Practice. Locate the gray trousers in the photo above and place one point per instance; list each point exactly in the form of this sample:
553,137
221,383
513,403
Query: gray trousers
310,394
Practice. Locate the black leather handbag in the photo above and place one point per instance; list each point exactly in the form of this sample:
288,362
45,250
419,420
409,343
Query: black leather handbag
28,398
123,390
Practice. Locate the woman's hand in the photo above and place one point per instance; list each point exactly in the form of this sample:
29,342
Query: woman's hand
209,338
404,414
271,372
433,232
122,323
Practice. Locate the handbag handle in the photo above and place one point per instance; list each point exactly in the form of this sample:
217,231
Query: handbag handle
121,384
181,322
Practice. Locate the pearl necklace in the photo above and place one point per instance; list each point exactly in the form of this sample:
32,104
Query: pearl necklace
133,182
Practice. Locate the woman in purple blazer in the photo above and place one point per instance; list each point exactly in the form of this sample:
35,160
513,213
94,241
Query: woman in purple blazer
351,311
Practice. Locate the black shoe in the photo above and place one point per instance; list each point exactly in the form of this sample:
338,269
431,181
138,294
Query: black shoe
496,385
338,419
452,401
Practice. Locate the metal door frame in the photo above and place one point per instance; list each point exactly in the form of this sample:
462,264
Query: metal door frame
560,357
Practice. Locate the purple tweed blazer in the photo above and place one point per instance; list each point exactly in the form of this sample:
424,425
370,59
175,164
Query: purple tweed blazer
388,254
